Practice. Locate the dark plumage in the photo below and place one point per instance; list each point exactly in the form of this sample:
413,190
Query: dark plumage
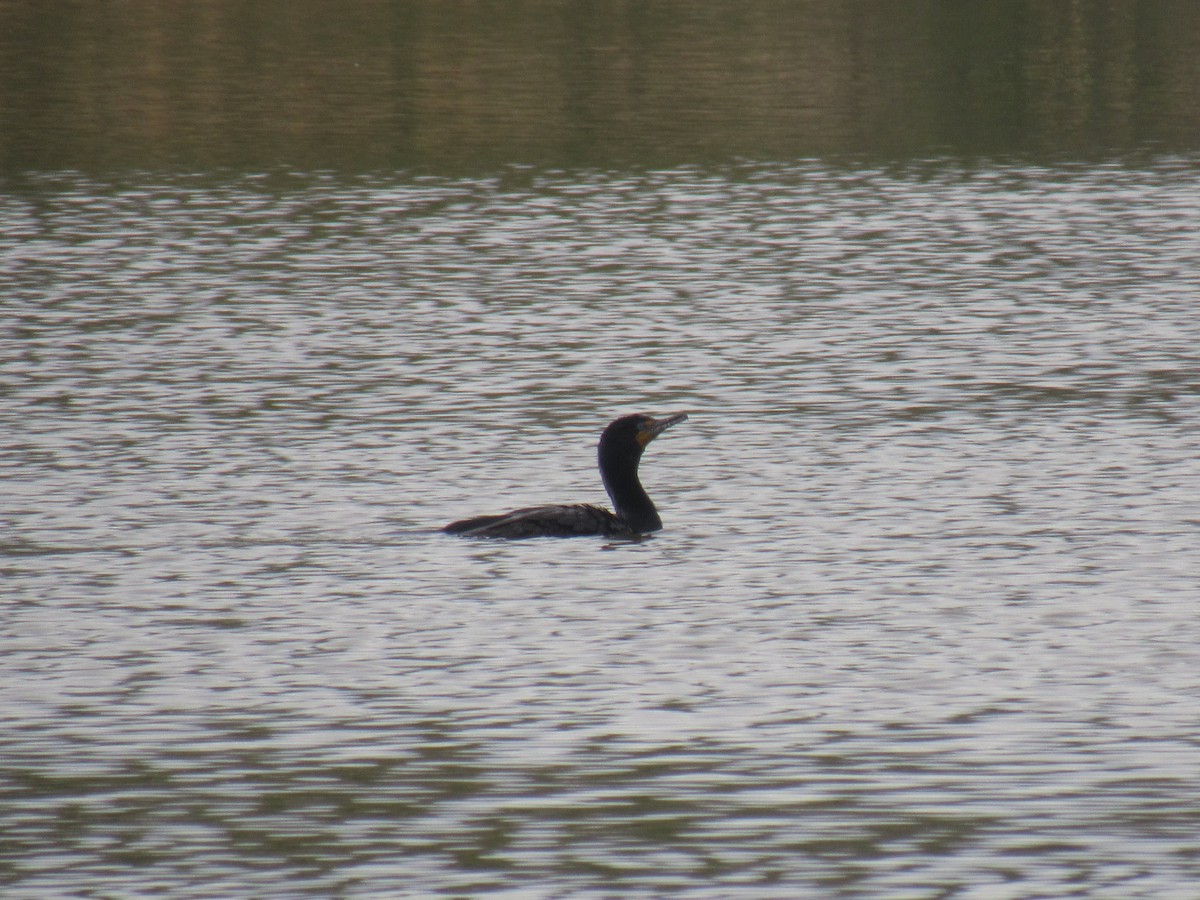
619,453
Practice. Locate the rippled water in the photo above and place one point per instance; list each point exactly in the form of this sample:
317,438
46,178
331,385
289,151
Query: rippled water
921,621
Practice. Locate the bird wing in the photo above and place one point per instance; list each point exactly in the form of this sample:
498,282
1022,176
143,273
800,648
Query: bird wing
542,521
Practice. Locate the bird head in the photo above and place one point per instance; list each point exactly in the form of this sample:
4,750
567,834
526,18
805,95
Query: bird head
629,435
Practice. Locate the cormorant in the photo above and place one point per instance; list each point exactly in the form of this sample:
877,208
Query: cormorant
619,453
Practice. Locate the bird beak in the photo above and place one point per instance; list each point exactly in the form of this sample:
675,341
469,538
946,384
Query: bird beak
655,427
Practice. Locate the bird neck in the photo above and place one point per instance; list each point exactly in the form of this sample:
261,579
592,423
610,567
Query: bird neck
630,501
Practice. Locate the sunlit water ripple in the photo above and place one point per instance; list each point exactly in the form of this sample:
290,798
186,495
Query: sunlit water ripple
921,621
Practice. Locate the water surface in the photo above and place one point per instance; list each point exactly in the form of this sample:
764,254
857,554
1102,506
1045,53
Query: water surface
921,621
474,87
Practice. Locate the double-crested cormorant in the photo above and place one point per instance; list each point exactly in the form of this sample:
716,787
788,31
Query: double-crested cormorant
620,451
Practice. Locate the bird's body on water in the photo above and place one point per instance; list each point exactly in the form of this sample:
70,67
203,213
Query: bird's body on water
619,452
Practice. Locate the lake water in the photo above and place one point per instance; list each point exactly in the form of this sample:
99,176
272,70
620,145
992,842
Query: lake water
921,621
280,296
